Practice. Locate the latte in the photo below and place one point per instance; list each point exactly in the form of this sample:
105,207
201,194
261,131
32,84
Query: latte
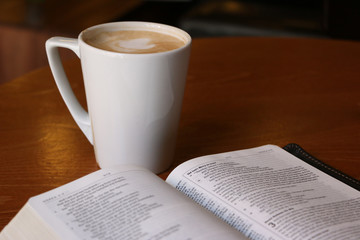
134,41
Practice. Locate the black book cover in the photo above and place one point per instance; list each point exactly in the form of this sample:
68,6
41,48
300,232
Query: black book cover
299,152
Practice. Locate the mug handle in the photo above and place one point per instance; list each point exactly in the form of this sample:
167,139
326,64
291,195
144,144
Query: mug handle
79,114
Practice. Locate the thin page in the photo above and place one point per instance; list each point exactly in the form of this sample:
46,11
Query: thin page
126,203
267,193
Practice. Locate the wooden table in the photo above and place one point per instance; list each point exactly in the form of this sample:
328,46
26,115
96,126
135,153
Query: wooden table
241,93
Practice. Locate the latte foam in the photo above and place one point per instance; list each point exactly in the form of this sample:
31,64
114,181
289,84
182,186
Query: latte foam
134,41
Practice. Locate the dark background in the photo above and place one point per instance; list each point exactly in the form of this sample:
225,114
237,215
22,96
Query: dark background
26,24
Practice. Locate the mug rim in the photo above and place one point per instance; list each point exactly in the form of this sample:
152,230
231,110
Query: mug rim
131,25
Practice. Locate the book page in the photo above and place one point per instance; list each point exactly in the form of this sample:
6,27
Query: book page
267,193
126,203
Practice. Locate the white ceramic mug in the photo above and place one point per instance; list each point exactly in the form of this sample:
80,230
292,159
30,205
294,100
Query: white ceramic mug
134,100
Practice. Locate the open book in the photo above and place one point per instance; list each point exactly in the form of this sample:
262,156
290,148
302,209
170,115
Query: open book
258,193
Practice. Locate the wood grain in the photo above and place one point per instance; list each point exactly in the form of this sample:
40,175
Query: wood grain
22,50
240,93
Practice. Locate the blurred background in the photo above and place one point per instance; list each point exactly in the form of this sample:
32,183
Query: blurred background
25,25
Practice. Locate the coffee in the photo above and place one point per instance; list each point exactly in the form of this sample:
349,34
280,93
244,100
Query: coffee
134,41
